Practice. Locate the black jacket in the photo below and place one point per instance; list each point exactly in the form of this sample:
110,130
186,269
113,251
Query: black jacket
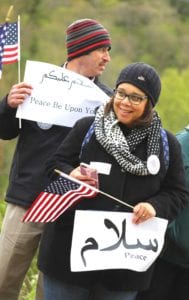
34,147
166,191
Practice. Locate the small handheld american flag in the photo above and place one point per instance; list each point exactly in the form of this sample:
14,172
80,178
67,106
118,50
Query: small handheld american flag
9,43
57,197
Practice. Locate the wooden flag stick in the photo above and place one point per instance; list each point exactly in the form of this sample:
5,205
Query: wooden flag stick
92,188
9,13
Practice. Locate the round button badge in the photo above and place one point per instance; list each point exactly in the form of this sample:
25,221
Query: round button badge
44,126
153,164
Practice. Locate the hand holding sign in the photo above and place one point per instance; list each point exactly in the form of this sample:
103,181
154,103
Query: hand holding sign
59,96
110,240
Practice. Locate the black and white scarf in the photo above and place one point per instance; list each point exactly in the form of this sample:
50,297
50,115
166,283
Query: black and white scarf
110,136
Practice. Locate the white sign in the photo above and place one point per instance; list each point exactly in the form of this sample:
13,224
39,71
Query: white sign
59,96
109,240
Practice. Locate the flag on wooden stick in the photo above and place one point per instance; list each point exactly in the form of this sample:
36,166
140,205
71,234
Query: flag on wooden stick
58,196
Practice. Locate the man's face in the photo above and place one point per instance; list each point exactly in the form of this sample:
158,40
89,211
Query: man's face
94,63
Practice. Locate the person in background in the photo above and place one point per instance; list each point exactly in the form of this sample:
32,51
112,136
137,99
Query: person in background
171,274
88,44
126,136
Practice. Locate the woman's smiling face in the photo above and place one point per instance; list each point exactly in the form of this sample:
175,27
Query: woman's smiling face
126,110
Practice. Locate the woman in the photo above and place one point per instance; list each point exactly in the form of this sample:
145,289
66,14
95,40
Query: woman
126,136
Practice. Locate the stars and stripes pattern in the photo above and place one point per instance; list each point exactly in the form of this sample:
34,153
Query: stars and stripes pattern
10,52
58,196
3,34
9,44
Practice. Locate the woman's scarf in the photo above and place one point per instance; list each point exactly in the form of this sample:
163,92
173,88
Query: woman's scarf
121,147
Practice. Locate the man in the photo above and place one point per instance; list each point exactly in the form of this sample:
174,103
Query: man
88,44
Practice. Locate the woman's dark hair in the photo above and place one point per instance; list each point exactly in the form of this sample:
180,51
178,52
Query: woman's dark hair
145,119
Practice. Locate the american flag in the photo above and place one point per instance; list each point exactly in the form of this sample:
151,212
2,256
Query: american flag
3,33
9,44
57,197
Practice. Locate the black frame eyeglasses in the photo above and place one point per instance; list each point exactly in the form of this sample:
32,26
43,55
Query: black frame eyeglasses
133,98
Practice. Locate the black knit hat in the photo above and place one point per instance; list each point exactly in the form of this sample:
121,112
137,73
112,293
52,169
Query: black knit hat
143,76
84,36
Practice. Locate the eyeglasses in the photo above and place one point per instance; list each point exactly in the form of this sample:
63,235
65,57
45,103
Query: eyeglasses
133,99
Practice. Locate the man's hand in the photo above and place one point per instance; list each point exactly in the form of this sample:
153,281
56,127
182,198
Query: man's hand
18,94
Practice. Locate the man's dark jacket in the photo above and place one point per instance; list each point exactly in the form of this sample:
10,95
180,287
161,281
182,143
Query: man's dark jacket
35,144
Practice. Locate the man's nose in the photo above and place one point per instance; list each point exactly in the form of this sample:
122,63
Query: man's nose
107,56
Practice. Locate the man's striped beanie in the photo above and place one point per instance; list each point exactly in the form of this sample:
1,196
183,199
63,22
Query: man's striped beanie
84,36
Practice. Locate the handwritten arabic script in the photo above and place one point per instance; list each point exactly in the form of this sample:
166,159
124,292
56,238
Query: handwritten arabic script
109,240
62,77
59,96
121,241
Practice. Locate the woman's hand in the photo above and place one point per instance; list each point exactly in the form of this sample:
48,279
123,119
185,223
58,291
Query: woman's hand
142,212
76,173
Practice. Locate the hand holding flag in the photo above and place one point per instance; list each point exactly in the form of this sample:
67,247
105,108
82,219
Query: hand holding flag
60,195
